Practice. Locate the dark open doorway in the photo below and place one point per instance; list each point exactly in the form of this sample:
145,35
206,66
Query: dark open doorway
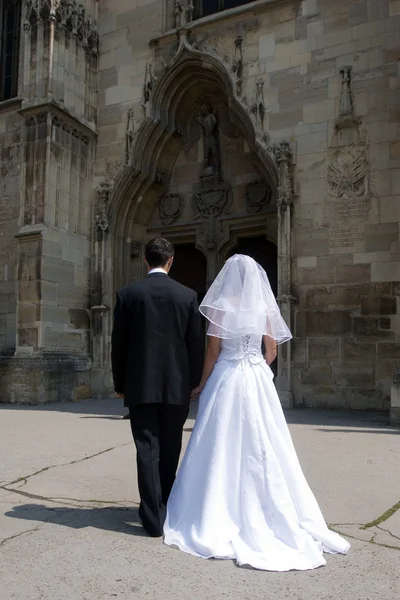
266,254
190,268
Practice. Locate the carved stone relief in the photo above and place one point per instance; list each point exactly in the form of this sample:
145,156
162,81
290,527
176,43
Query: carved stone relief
283,155
210,202
237,66
258,107
184,10
148,85
103,191
346,118
130,135
258,195
348,204
347,173
171,207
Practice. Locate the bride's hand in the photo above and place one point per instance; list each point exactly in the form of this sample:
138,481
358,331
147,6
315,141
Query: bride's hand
196,392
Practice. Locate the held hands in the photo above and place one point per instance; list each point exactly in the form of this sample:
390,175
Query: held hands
120,396
194,394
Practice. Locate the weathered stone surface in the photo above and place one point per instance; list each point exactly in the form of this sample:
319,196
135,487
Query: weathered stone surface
389,350
380,237
320,374
375,305
43,378
323,349
78,318
355,376
320,324
372,328
358,352
346,296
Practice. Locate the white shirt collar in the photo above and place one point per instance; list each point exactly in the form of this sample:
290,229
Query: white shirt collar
157,270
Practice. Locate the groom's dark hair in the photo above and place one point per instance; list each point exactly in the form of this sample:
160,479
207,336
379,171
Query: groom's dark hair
158,252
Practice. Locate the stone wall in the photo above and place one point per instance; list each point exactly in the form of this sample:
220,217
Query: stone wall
10,167
58,90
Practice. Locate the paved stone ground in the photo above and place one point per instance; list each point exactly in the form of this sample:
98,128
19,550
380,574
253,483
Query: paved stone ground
69,526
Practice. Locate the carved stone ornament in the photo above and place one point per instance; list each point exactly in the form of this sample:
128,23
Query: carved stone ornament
148,85
209,124
347,174
258,107
171,207
65,14
283,155
210,203
135,249
130,135
346,118
160,178
237,65
184,10
258,195
103,191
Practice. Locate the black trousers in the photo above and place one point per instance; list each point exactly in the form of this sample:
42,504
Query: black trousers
157,432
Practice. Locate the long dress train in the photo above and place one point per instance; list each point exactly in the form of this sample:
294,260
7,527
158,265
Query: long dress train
240,492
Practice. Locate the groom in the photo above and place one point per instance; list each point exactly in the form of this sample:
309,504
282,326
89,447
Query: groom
157,357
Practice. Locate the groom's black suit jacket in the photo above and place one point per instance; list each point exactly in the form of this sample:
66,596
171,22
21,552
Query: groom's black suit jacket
157,342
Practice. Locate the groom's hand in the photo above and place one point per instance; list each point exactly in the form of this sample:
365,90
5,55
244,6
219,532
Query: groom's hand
120,396
194,394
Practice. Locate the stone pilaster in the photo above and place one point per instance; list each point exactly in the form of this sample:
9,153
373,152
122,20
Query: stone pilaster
284,203
100,310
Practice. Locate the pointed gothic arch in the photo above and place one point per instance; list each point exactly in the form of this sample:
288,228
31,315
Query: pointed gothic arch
155,148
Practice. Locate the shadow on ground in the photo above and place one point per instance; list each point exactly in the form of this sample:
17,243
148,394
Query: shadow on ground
113,409
349,421
111,518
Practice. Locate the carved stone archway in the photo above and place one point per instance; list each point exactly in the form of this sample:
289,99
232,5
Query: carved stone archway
139,188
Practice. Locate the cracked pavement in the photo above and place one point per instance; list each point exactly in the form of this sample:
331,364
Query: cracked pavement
69,528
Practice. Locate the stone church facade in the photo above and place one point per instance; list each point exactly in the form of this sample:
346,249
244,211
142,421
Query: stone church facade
268,127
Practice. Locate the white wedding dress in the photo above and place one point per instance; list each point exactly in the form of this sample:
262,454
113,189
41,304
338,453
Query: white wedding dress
240,492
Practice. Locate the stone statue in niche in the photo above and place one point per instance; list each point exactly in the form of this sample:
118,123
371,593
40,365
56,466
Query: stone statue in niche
209,124
130,135
148,85
283,155
183,13
258,107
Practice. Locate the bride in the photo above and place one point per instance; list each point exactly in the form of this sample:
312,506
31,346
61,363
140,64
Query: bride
240,492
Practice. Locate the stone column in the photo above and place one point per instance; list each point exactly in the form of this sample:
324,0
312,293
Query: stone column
284,202
100,329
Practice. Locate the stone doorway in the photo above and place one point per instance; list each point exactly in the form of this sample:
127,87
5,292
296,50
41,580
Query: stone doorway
198,173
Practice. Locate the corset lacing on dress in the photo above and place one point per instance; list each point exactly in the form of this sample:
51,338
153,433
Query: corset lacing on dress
247,347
